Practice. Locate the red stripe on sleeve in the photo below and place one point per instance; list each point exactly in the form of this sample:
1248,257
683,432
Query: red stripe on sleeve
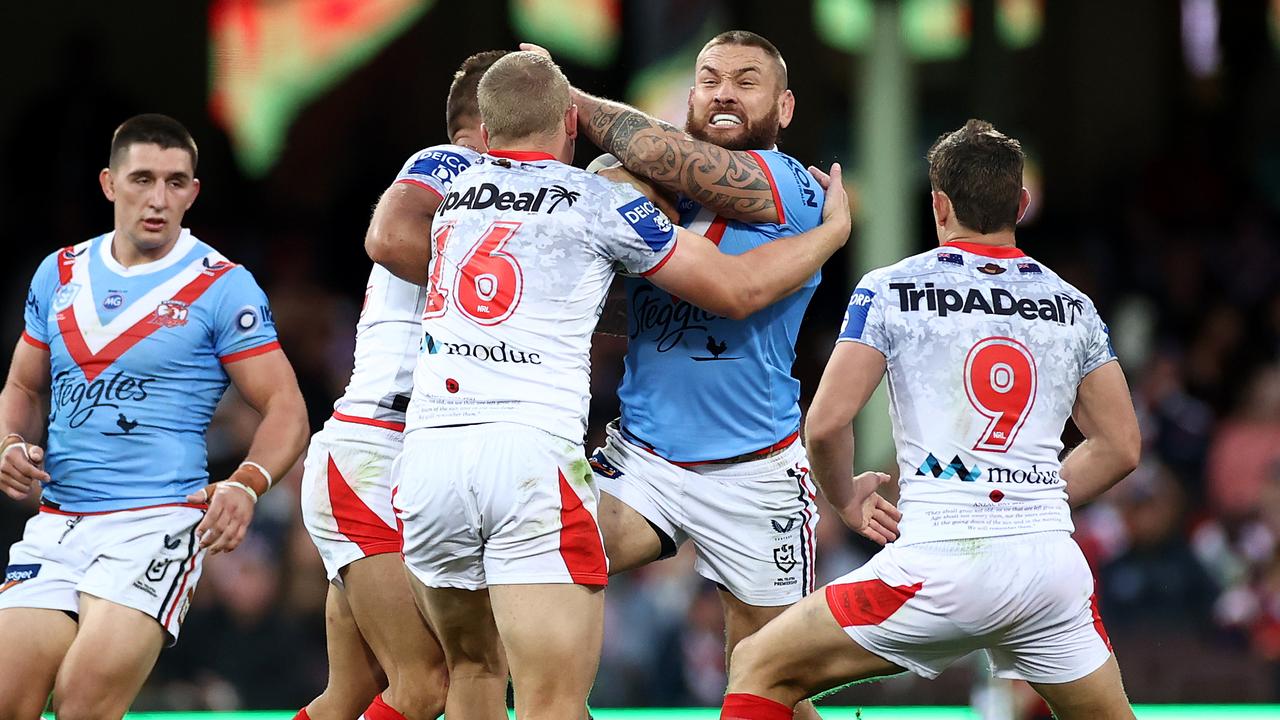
34,342
251,352
773,186
661,262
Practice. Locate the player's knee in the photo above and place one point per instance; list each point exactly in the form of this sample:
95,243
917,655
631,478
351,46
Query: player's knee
475,659
747,661
424,689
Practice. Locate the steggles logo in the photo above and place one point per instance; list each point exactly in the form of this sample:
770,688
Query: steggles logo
956,469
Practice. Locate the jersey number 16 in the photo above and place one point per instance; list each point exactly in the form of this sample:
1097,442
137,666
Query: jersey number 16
487,284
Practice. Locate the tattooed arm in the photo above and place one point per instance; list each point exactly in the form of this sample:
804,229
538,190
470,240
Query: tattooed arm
731,183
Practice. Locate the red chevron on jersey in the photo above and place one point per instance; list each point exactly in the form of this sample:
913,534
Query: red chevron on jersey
93,362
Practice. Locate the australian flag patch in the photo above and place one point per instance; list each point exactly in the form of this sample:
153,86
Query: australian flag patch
953,258
1028,267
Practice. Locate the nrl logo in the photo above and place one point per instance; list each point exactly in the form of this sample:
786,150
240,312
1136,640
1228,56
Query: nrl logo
785,558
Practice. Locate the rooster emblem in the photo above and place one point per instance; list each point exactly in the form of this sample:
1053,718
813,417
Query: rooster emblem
716,349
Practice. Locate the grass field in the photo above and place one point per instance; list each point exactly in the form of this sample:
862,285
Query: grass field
1144,712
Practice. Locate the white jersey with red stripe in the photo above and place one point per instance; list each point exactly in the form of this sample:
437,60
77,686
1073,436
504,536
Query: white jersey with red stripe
524,251
390,327
985,351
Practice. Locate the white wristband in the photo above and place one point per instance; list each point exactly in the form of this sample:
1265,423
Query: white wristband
236,484
20,443
270,480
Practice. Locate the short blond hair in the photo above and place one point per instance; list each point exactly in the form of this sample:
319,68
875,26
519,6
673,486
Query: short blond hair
521,95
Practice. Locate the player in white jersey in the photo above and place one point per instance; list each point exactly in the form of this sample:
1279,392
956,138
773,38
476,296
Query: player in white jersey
384,661
988,353
493,487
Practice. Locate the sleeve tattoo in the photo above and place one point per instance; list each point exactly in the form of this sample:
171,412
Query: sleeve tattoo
732,183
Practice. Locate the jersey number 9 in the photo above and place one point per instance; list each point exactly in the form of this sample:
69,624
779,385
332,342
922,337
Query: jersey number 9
1000,379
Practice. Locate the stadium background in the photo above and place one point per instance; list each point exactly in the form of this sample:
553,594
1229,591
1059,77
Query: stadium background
1155,165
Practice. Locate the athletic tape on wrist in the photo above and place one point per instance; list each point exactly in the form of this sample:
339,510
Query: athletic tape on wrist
253,495
270,480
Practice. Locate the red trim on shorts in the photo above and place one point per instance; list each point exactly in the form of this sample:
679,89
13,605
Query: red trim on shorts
34,342
177,599
251,352
399,523
302,715
60,511
995,251
773,186
419,183
1097,621
661,262
385,424
783,443
745,706
867,602
580,543
521,155
809,549
356,521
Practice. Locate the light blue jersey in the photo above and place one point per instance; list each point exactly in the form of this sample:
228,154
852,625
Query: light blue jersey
699,386
136,358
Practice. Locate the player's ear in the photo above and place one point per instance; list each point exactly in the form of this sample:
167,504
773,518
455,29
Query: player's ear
1024,202
786,107
571,121
104,179
941,208
484,136
195,192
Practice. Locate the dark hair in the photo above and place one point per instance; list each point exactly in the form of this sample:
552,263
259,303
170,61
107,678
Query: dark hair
462,104
980,170
750,39
152,129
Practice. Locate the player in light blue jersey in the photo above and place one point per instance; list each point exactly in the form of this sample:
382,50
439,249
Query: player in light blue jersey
707,446
131,337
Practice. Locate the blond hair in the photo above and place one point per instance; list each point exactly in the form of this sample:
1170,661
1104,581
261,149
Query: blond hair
521,95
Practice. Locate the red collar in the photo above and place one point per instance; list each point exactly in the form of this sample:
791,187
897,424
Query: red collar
521,155
994,251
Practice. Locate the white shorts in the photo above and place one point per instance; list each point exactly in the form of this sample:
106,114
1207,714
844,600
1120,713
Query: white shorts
1026,599
147,559
497,504
752,523
346,493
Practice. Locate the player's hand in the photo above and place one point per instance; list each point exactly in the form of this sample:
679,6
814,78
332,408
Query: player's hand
227,520
537,50
835,209
661,200
868,513
22,469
